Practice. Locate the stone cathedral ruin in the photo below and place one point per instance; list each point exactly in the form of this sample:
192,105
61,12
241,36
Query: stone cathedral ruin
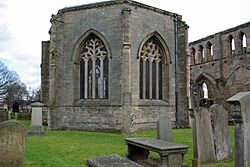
115,66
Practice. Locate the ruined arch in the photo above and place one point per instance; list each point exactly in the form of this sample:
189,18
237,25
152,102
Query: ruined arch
230,45
192,56
242,42
210,82
209,51
201,55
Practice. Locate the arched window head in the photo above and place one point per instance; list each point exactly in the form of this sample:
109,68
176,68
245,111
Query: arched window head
94,64
152,62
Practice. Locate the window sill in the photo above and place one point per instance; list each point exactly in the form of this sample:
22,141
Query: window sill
151,102
92,102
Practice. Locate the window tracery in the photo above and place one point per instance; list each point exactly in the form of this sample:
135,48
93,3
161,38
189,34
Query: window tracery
151,61
94,69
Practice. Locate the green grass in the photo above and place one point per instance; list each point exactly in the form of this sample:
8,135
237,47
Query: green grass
73,148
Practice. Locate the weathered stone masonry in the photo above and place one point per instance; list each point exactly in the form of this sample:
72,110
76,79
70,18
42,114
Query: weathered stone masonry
76,95
222,61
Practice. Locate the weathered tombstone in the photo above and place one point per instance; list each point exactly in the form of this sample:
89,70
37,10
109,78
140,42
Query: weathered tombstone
241,116
204,136
12,143
3,114
222,143
211,139
164,129
36,128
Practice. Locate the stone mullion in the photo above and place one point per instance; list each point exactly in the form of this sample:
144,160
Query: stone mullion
102,83
144,80
157,80
150,79
86,78
93,77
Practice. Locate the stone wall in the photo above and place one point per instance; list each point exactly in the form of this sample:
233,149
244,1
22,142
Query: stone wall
123,26
226,72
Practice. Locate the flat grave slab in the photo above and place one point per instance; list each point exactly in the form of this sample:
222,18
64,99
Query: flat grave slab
112,160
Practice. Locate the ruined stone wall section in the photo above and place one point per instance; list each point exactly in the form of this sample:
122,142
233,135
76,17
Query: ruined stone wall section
228,69
45,72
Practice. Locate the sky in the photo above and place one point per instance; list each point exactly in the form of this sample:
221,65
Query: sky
25,23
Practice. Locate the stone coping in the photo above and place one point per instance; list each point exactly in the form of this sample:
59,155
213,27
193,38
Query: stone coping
115,2
112,160
159,146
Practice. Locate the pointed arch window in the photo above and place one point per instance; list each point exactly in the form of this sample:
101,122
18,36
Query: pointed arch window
231,43
243,43
151,70
94,64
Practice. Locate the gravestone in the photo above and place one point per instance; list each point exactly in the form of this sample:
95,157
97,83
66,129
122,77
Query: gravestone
241,115
3,114
204,136
222,143
211,141
12,143
36,128
164,129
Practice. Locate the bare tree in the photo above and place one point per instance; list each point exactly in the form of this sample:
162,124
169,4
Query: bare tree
7,78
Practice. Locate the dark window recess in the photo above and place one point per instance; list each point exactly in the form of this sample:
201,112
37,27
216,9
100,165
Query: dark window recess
82,72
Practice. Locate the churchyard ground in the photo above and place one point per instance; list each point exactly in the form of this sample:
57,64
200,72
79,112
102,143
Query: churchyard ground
73,148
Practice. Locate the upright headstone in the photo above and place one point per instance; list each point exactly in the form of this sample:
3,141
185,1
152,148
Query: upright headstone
36,128
12,143
211,141
204,136
3,114
222,143
241,116
164,129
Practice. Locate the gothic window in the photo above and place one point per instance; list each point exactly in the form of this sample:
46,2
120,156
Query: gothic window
209,51
192,53
231,44
243,42
93,69
151,62
201,55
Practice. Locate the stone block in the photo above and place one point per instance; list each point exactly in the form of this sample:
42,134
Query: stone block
12,143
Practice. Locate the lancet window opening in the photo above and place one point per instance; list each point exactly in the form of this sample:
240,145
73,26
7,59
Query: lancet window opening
151,69
94,64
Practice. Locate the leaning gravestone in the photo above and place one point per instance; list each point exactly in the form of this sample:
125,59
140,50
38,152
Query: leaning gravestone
164,129
222,141
12,143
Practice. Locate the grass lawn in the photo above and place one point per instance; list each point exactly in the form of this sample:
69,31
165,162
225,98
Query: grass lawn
73,148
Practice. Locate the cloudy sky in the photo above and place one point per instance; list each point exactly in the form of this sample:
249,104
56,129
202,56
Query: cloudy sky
25,23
